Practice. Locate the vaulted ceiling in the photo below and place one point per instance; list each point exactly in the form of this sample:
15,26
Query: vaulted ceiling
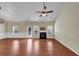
26,11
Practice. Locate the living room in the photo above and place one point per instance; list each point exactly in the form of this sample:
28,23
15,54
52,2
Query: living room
27,30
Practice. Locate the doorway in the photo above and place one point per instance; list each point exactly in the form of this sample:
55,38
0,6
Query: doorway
29,31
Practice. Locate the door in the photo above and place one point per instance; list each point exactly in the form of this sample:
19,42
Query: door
36,31
29,31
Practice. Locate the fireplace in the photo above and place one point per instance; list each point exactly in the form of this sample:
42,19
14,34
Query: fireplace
43,35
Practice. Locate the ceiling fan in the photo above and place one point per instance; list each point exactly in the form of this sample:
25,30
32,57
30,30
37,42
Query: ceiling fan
44,12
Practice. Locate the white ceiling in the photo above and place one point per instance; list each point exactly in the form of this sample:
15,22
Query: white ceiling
20,11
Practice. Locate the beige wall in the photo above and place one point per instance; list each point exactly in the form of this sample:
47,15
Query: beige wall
2,31
67,26
23,25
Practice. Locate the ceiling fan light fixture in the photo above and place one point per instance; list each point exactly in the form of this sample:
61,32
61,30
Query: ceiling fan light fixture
44,14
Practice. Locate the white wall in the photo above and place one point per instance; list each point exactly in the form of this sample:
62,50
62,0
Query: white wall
2,31
67,26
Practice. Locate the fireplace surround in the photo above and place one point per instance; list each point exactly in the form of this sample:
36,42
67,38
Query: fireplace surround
43,35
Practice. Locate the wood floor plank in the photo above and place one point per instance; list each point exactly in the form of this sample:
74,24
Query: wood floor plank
33,47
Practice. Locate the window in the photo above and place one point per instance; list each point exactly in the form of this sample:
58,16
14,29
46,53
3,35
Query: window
15,29
49,30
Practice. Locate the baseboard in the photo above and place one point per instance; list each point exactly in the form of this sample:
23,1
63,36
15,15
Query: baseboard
68,47
27,38
2,38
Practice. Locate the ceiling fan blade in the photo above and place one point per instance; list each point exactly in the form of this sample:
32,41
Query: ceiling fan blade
1,21
38,11
40,15
49,11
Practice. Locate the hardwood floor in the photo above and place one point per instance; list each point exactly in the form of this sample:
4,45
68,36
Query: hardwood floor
33,47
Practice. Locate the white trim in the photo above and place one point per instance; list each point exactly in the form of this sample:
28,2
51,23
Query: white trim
43,31
68,47
2,36
17,35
